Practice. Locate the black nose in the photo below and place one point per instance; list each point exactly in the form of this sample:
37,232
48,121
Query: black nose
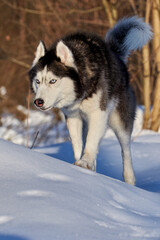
39,102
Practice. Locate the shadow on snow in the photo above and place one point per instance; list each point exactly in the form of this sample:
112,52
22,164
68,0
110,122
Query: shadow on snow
109,162
11,237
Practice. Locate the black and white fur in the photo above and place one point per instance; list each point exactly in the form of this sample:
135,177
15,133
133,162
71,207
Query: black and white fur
87,78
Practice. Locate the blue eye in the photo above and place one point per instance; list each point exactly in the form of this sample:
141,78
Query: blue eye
52,81
37,81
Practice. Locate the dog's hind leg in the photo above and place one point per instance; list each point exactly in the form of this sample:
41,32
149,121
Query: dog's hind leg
128,172
124,137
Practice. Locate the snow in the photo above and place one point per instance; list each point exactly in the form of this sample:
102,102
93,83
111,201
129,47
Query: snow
44,196
15,130
3,91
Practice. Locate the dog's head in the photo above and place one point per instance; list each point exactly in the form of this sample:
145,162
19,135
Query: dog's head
54,76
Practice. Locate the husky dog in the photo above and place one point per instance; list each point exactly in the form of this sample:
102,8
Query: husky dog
86,77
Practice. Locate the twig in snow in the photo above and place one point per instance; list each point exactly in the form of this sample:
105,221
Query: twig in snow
34,140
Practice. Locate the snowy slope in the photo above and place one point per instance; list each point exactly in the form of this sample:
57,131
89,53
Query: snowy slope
145,154
44,198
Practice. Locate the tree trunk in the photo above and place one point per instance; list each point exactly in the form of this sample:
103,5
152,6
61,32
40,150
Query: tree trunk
22,33
111,11
156,48
146,74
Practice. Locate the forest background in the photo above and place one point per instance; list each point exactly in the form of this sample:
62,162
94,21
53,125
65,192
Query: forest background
23,23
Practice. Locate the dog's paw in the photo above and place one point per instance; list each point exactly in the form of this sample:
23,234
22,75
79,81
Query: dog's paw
86,164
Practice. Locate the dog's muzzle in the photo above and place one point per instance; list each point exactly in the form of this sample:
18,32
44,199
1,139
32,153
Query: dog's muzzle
39,102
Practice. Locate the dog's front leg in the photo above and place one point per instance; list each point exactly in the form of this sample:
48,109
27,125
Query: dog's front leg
74,125
97,123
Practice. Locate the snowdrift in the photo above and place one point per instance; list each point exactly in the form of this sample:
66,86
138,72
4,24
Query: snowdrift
42,197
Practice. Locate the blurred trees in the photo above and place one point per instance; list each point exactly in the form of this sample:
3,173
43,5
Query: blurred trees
24,23
146,72
155,117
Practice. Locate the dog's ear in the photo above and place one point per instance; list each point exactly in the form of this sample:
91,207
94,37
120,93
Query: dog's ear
65,54
40,52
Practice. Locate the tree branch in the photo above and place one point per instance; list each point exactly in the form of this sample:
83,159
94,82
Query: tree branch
85,11
4,56
27,10
20,63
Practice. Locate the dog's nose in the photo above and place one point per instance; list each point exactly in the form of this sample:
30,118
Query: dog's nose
39,102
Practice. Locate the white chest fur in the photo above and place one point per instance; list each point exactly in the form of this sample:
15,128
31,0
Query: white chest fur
84,107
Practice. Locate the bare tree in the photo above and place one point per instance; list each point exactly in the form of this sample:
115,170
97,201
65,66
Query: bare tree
27,22
111,11
156,47
146,73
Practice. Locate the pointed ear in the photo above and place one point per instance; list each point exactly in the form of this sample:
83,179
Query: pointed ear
40,52
65,54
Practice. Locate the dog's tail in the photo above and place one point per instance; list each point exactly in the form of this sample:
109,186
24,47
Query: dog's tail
127,35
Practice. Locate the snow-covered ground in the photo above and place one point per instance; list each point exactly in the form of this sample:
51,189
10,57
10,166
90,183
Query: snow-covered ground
24,132
45,197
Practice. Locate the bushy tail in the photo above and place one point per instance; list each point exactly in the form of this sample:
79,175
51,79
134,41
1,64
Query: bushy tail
127,35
